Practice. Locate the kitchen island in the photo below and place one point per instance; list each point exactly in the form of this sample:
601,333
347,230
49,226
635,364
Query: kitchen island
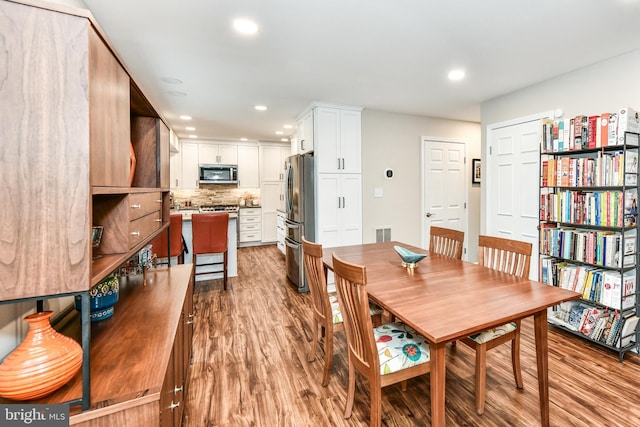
232,241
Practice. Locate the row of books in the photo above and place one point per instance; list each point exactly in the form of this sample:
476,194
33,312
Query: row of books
606,248
605,287
609,327
601,208
590,131
605,169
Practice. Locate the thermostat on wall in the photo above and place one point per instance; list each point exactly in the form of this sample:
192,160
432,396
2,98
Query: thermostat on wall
388,173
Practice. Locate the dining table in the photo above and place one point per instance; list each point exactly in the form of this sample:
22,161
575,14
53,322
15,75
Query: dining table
445,299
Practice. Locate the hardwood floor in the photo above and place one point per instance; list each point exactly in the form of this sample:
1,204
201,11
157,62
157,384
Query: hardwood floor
250,368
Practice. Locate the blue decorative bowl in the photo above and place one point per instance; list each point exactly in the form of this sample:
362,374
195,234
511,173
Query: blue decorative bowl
102,298
409,259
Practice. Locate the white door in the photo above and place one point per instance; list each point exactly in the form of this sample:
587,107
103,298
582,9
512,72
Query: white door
444,188
512,187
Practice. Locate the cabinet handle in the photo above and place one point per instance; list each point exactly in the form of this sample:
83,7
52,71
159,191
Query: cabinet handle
344,205
177,389
158,220
174,405
136,206
339,203
338,162
189,322
158,201
176,182
135,233
343,163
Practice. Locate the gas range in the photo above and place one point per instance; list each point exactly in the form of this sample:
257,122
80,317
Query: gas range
219,208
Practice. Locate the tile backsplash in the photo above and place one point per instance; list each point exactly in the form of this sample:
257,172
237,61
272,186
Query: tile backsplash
215,194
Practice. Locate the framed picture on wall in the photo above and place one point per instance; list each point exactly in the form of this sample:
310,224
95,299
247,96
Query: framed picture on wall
476,171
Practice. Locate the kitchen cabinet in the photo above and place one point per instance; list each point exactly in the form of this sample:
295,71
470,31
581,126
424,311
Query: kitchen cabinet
337,140
305,133
175,167
189,152
339,209
272,159
281,232
248,166
250,226
214,154
272,199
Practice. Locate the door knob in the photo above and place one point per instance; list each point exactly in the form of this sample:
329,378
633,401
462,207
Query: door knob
428,215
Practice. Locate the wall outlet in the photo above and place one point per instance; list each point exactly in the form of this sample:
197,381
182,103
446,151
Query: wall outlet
377,192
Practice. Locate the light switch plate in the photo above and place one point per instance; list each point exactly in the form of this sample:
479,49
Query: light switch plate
377,192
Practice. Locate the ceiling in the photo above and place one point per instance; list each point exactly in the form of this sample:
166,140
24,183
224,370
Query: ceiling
390,55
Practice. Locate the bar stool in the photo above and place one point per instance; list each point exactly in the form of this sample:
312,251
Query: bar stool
210,237
160,244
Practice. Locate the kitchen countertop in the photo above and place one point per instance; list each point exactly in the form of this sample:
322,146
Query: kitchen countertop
186,213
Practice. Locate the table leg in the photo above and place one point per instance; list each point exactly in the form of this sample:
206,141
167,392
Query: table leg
542,348
437,378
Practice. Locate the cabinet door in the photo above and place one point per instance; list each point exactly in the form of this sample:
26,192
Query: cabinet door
175,169
164,145
248,166
270,198
327,210
305,133
110,130
350,210
350,141
207,154
190,170
228,154
271,163
326,125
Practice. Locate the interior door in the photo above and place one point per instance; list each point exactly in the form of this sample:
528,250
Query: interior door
444,189
512,192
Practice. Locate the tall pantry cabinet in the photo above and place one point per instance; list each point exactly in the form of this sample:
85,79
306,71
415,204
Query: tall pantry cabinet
73,121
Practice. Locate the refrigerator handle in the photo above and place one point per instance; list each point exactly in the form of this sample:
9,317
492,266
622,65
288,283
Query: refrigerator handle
291,245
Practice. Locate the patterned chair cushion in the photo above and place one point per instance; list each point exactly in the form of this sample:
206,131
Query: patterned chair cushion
337,315
400,347
489,334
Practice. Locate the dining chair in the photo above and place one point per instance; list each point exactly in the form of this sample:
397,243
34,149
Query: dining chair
327,318
160,245
384,355
209,236
445,241
512,257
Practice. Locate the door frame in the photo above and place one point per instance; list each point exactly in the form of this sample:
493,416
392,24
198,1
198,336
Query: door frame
488,189
424,140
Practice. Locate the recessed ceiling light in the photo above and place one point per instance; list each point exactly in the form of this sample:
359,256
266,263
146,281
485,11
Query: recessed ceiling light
284,139
190,128
279,132
243,139
260,108
287,126
176,93
455,75
193,136
185,117
171,80
245,26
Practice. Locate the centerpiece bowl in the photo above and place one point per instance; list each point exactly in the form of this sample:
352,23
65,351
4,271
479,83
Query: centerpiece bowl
409,258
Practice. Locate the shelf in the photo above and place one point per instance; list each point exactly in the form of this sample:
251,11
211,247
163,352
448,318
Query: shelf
589,227
573,261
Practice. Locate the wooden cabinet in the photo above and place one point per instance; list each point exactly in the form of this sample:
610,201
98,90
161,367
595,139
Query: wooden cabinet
213,154
248,166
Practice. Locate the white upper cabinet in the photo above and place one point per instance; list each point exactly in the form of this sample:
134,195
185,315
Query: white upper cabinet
337,136
272,158
189,163
248,166
305,133
218,154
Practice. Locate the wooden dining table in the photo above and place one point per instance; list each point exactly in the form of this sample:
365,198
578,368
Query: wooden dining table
446,299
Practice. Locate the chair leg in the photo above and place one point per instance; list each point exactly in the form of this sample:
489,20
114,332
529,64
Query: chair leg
515,359
376,405
481,377
314,341
351,390
328,358
403,385
225,270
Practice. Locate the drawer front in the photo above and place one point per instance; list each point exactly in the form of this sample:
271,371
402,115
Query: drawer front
141,228
250,227
141,204
249,212
250,220
250,236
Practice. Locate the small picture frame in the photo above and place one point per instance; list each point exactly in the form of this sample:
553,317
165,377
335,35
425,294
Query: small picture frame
476,171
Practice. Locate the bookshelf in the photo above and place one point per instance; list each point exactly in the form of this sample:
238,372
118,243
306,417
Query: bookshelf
589,227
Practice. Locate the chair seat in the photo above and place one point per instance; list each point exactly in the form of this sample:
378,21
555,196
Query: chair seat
490,334
400,347
336,315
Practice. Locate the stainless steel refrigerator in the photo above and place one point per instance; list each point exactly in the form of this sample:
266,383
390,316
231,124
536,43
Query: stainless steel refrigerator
300,209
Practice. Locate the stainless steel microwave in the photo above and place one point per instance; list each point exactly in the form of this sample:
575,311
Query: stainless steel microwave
218,174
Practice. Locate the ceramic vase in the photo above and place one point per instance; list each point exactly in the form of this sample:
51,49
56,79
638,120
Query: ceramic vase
44,361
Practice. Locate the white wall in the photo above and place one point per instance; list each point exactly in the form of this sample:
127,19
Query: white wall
391,140
603,87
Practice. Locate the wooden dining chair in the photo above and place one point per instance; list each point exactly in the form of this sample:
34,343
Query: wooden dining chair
445,241
512,257
327,318
385,355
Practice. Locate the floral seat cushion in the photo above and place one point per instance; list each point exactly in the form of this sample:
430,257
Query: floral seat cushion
400,347
336,315
489,334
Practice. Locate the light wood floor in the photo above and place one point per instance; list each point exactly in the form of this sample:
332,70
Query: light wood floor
250,368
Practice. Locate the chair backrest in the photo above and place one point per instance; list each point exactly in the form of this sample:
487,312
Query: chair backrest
445,241
351,281
159,244
506,255
314,269
209,232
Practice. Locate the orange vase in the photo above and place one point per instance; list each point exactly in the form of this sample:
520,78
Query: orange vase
132,164
42,363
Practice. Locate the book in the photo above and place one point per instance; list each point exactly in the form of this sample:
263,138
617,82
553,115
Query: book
602,138
628,121
613,129
628,331
630,207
